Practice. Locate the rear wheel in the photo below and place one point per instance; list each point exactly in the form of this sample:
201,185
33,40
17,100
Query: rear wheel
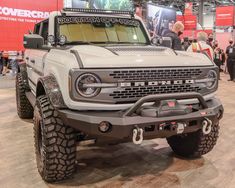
24,108
194,144
54,143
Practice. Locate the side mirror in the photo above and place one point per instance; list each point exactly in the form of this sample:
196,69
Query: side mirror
33,41
166,42
155,41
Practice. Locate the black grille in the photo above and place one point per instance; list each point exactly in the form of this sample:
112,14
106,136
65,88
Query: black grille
138,92
148,75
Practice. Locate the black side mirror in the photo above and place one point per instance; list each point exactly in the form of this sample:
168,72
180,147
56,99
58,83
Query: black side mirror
155,41
166,42
33,41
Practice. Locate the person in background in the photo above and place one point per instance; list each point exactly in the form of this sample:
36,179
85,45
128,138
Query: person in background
1,62
150,26
201,45
230,52
210,40
223,59
5,62
14,64
174,34
186,43
215,45
218,58
190,40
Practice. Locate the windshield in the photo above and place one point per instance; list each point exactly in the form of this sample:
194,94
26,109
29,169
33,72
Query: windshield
101,30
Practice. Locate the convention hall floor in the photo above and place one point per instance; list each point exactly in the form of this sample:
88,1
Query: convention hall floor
150,165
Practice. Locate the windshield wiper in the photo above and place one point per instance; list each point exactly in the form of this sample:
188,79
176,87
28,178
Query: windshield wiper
78,43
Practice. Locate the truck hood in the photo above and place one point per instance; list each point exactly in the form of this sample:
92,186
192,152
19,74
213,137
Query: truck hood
136,56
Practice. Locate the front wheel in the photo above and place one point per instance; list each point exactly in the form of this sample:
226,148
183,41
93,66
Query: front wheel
54,143
194,144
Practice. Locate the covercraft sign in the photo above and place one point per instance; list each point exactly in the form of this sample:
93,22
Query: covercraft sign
6,11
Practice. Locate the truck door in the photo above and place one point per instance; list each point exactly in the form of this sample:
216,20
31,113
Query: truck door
36,57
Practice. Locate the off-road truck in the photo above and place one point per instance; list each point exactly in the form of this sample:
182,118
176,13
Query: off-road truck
95,74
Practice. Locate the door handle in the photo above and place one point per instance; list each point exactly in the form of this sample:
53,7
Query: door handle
32,61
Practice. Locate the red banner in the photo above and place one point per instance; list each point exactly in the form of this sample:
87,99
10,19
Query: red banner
190,22
225,16
188,8
180,18
17,17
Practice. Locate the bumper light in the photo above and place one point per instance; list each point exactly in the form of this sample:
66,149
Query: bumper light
105,127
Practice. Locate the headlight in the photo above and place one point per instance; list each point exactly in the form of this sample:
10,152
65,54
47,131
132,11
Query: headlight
212,79
84,85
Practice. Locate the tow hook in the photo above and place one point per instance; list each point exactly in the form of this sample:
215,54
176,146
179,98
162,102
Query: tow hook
138,134
206,126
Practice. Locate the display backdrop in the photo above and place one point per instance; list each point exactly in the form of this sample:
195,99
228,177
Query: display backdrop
190,22
17,17
225,16
159,19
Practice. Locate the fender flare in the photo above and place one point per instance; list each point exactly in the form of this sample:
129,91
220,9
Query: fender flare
22,69
52,90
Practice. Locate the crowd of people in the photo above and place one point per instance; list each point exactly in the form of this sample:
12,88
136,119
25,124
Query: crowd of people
206,45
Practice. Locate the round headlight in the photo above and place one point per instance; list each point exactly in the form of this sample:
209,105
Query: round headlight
212,79
85,85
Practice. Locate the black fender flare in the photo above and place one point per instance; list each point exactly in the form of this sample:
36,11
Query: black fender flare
52,89
22,69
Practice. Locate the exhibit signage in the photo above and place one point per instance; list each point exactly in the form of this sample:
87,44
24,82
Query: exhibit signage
160,20
190,22
6,11
225,16
17,17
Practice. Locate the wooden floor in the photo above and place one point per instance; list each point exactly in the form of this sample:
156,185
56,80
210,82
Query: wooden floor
150,165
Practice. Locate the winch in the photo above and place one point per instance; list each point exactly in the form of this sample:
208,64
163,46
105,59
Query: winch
165,108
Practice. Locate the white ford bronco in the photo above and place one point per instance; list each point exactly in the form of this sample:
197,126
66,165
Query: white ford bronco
94,74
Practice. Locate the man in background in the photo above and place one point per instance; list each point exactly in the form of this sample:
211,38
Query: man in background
230,52
186,43
201,46
174,34
1,62
5,59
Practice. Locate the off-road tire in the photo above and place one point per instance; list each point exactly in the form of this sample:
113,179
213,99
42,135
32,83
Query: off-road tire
55,143
194,144
24,108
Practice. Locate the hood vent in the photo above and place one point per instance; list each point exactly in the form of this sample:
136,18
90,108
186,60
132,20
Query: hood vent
138,50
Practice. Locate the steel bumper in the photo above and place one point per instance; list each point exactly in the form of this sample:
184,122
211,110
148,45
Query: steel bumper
123,123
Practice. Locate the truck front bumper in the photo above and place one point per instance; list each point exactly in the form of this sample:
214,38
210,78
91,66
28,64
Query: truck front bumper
122,123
